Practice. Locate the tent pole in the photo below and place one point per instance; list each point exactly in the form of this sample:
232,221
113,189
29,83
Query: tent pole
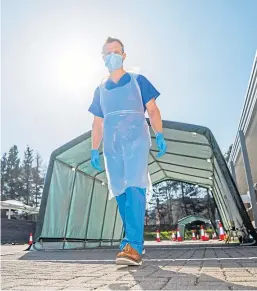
158,164
233,172
78,170
225,218
89,212
184,142
180,155
68,216
103,222
114,225
248,174
184,166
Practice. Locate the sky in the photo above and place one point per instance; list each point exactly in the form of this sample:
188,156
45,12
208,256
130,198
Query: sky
198,54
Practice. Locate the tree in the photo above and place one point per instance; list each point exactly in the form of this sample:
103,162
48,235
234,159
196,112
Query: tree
189,192
10,169
22,182
173,200
162,200
38,181
27,177
184,198
3,177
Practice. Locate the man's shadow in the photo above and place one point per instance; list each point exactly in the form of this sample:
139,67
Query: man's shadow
180,275
154,277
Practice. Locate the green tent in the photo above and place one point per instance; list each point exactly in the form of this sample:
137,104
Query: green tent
182,223
75,211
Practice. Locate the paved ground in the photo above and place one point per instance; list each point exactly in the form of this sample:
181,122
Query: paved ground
165,267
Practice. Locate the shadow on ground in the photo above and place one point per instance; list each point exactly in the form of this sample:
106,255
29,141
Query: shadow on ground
169,269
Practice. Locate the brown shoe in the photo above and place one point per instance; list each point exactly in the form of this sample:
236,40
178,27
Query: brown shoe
129,257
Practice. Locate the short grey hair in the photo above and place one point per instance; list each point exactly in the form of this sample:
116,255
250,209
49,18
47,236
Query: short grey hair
111,39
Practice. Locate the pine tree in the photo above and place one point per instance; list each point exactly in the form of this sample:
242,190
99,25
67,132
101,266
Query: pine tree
165,192
11,178
38,181
3,177
27,177
22,182
190,192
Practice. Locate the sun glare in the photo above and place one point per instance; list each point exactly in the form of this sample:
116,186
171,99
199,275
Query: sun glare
74,69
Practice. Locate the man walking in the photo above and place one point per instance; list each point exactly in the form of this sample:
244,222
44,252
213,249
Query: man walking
119,107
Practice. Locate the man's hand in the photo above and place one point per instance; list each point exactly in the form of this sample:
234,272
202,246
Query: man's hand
161,144
95,160
97,135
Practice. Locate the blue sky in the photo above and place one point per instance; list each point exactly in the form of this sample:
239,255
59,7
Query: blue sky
198,54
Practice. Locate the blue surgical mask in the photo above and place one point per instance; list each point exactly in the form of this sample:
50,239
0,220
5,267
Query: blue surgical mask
113,61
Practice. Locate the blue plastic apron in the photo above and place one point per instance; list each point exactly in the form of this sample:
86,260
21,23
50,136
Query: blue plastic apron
126,138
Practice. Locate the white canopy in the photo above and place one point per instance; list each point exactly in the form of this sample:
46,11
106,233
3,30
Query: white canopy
18,205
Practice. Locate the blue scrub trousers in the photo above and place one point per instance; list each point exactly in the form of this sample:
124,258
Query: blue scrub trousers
131,206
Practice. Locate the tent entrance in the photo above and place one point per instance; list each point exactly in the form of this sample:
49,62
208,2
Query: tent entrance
75,201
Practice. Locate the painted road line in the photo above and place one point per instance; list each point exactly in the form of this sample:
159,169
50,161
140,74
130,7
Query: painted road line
145,260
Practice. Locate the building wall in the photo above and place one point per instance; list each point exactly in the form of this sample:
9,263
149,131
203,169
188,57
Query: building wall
247,125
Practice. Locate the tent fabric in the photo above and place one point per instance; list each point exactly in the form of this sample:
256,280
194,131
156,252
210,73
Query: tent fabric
75,210
192,218
182,223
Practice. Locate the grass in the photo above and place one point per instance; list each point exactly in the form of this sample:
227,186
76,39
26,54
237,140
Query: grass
164,235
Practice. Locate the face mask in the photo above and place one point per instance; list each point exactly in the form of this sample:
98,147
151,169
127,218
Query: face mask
113,61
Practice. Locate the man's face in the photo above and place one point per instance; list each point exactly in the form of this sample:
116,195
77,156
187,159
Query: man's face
113,47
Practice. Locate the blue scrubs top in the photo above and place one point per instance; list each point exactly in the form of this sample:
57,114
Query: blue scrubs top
148,92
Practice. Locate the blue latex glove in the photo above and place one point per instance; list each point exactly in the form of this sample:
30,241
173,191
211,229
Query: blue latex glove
161,144
95,160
